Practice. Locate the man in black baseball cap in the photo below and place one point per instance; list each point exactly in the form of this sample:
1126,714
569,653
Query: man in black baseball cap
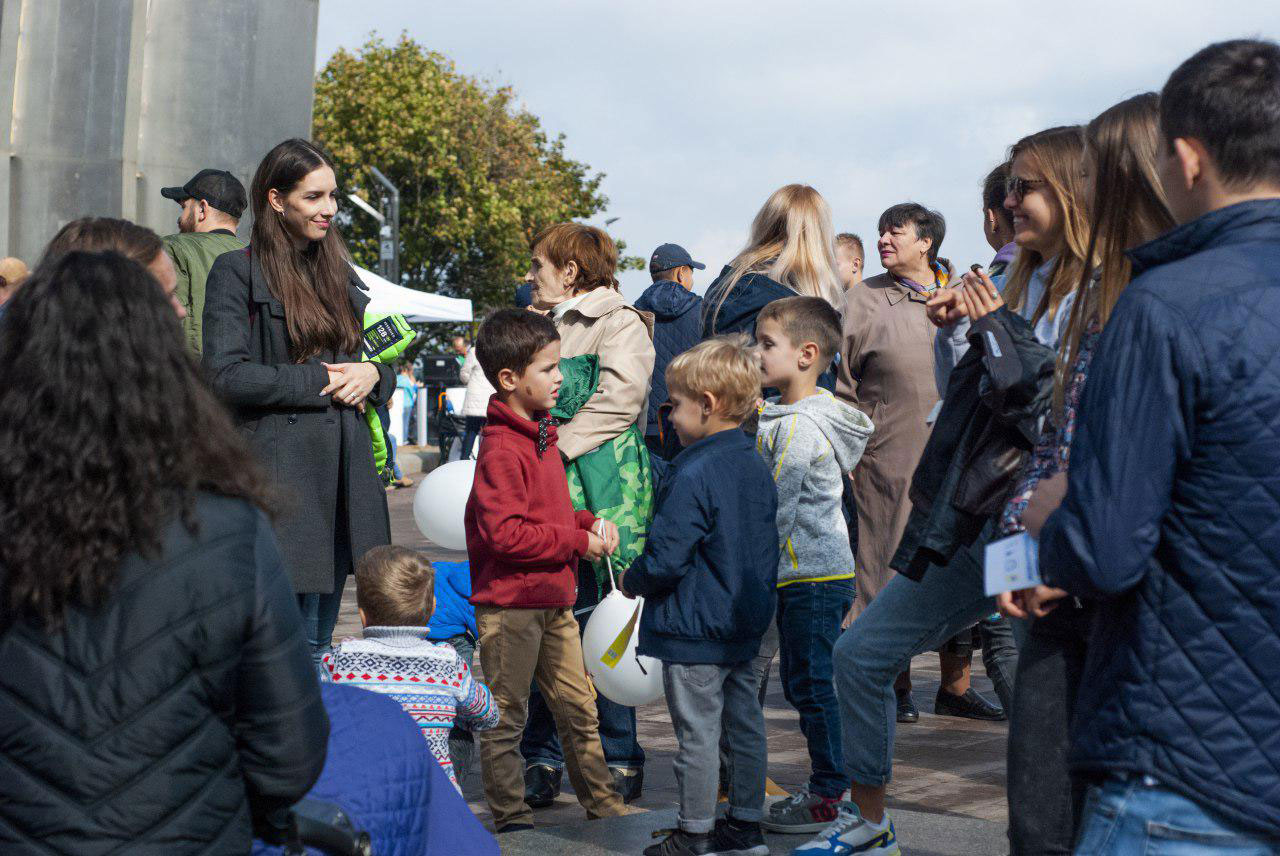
212,202
677,327
212,194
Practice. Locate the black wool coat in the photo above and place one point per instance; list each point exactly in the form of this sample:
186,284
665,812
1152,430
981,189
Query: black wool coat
317,455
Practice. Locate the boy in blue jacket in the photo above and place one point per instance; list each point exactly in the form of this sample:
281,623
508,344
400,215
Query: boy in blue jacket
709,571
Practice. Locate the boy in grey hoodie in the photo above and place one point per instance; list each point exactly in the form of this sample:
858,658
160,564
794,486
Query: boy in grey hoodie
811,440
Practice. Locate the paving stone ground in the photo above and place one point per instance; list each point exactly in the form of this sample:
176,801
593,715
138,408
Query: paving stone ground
949,774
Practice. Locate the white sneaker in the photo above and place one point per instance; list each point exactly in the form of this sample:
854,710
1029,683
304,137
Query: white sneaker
849,834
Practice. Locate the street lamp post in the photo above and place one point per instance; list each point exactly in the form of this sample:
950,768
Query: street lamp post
389,233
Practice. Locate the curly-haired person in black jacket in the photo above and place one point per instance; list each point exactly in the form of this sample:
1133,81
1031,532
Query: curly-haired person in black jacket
156,689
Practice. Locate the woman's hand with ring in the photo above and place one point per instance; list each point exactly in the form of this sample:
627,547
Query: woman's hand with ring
350,383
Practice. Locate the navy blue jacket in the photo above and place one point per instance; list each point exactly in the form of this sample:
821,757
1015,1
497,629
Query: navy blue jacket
710,565
677,314
752,292
1172,521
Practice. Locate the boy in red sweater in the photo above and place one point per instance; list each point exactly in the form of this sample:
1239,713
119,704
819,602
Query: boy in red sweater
524,540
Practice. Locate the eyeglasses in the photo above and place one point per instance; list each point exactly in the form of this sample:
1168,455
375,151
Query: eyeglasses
1017,187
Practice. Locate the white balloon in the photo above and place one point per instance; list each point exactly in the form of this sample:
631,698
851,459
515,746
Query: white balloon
439,506
634,680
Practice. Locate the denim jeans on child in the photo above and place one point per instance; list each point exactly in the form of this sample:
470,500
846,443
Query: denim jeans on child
809,616
702,699
462,743
907,618
1138,815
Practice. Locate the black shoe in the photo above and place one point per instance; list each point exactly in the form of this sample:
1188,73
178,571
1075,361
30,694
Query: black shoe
907,710
739,837
541,785
513,827
971,705
680,843
628,782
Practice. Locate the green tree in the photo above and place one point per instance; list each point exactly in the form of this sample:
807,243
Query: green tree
478,175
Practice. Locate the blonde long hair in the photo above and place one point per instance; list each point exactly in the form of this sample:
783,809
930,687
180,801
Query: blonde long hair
792,242
1059,154
1123,141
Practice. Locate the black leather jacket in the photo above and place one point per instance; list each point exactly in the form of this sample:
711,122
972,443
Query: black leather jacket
988,425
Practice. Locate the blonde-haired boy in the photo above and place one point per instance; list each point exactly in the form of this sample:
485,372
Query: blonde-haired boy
395,592
708,574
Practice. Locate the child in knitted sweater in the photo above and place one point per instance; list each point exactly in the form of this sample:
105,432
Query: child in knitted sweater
395,590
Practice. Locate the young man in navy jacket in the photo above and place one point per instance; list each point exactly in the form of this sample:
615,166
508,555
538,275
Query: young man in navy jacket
1171,520
709,572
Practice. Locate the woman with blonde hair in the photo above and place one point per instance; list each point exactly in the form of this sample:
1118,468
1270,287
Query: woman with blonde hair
987,425
791,252
1047,172
1122,142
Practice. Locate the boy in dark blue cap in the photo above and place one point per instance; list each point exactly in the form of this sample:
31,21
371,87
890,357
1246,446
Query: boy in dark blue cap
677,314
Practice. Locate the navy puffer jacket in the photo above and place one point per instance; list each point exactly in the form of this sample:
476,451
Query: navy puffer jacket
162,720
1172,521
677,314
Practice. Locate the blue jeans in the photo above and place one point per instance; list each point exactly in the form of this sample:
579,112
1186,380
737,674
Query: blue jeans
462,743
809,616
406,420
1137,815
907,618
471,428
319,617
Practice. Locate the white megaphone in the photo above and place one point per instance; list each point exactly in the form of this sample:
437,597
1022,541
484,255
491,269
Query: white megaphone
609,650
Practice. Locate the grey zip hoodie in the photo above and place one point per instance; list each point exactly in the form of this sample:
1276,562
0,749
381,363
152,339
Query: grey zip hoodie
809,447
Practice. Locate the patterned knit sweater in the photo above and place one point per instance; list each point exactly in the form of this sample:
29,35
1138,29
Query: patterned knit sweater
429,680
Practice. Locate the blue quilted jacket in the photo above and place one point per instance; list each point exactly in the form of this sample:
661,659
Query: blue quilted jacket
380,771
1172,521
677,315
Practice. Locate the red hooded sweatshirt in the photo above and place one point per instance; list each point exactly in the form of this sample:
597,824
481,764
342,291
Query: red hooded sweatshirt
523,536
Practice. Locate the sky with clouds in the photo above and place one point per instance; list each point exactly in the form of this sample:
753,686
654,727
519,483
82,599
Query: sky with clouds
698,110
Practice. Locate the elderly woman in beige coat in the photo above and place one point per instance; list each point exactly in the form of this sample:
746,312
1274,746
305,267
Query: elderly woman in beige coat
572,273
886,370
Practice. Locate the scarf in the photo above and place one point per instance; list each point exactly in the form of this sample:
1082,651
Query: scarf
941,277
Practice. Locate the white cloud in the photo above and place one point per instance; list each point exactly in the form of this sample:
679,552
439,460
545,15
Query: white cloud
698,110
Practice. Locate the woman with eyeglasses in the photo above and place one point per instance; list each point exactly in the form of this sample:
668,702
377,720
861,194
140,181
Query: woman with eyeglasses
985,429
1123,144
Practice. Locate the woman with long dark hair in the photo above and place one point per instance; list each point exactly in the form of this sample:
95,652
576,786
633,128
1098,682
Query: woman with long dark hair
282,344
156,690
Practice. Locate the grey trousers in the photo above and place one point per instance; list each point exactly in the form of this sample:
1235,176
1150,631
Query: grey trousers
702,698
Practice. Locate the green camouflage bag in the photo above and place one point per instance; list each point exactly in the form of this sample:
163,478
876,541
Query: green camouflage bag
612,481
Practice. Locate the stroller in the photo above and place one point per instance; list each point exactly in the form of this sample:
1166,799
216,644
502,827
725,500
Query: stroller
320,825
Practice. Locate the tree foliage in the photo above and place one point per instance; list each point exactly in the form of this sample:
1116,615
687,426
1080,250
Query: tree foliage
478,175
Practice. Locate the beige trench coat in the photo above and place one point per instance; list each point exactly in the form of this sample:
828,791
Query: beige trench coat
886,371
622,336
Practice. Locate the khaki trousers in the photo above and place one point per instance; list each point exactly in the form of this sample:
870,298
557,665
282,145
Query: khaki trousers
518,646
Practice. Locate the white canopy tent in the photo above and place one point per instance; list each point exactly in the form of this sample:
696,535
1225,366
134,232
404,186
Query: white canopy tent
415,306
